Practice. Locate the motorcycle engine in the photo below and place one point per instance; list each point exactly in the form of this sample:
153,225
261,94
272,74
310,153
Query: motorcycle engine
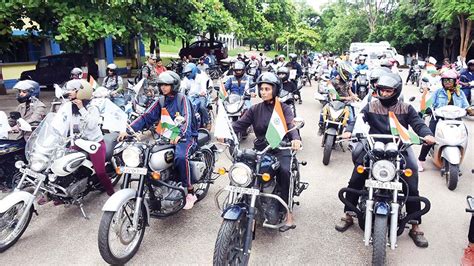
167,195
75,183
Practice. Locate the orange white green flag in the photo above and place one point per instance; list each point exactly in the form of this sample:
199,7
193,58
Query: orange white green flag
277,126
167,127
222,90
425,103
398,130
93,83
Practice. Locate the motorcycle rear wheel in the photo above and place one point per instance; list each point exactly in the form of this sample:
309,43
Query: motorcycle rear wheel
201,189
118,224
379,238
230,243
328,143
8,220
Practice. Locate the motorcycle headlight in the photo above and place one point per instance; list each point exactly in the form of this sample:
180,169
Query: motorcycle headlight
131,156
37,165
232,108
383,170
240,175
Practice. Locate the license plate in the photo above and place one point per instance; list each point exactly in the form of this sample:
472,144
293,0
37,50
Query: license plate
133,171
243,190
383,185
32,173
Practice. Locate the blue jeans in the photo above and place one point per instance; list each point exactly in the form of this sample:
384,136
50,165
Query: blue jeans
467,92
200,102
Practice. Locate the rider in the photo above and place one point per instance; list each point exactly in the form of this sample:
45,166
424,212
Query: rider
449,94
159,68
413,63
31,109
239,83
113,82
76,73
258,116
177,105
195,85
361,65
148,71
293,64
287,85
306,60
467,80
389,87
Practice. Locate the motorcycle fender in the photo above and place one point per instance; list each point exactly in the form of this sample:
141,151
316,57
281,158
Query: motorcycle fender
13,198
118,199
382,208
233,212
452,154
331,131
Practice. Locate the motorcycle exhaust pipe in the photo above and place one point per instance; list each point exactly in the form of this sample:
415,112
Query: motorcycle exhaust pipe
368,221
394,225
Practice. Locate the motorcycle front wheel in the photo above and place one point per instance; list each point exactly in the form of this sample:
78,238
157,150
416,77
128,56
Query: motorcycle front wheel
328,143
379,242
230,243
452,175
8,222
118,242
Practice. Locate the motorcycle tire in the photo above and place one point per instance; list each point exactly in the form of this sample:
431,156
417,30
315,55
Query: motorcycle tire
6,245
103,239
328,143
379,240
229,245
452,175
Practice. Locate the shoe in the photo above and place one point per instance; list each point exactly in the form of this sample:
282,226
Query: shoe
190,200
420,166
344,224
286,228
418,238
468,258
43,200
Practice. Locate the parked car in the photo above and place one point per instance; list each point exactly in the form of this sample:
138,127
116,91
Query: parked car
197,49
55,69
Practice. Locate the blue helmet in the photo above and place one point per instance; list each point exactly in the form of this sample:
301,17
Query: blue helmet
190,71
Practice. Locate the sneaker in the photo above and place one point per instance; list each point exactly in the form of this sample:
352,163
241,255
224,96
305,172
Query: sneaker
190,200
420,166
468,258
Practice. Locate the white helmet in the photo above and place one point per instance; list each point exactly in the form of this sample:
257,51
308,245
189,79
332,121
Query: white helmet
112,66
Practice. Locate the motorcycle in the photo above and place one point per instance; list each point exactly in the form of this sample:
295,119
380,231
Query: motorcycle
254,198
159,193
65,175
306,77
415,76
234,105
322,94
336,115
289,98
451,142
380,209
362,83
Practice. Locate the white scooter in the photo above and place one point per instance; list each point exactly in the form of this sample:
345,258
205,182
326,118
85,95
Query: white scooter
451,142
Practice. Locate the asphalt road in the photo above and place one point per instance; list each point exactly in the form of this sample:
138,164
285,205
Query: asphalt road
61,236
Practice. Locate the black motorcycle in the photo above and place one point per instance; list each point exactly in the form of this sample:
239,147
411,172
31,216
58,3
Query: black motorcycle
254,198
380,210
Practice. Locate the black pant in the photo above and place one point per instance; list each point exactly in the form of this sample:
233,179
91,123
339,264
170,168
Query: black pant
357,181
471,230
284,173
425,148
410,73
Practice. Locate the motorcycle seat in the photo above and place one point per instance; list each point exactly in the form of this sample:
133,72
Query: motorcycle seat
203,137
110,141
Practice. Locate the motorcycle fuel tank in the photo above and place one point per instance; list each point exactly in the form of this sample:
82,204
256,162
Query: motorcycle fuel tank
68,163
161,159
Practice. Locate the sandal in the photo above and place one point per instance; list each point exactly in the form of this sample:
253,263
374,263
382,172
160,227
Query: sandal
344,224
418,239
286,227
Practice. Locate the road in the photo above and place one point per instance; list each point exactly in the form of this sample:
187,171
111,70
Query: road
61,236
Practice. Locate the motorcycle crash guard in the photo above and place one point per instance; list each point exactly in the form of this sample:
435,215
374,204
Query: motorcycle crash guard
382,208
119,198
234,212
14,198
452,155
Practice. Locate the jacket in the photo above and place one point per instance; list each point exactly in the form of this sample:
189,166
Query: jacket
34,112
440,99
238,86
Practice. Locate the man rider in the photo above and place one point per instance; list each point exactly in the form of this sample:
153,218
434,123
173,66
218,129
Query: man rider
177,105
287,85
375,113
306,60
148,71
294,65
467,80
239,83
413,63
194,85
361,65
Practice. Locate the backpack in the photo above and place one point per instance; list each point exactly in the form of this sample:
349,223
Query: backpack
195,117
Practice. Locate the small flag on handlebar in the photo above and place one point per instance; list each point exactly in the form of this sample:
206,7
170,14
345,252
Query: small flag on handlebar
222,90
425,103
398,130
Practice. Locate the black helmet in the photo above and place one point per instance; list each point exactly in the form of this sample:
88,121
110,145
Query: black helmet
30,86
170,78
269,78
283,73
389,81
239,66
376,73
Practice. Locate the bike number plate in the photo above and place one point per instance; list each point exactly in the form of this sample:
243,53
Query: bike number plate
133,171
383,185
243,190
32,173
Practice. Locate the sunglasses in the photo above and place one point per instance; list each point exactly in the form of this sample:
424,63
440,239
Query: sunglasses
447,81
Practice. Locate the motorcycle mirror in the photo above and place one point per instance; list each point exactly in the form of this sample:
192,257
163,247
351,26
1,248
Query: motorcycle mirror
58,92
412,99
299,122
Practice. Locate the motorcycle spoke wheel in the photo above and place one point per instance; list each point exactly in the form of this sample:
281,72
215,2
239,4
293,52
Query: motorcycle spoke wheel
118,242
8,221
230,243
201,188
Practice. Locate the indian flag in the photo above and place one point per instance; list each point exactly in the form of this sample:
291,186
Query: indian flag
333,92
93,83
167,127
425,103
277,127
398,130
222,91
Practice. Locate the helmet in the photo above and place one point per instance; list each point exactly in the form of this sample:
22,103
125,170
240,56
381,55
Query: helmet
239,66
386,63
31,87
345,71
76,73
112,67
281,56
470,63
283,73
431,60
389,81
362,58
190,71
253,57
292,57
376,73
170,78
83,88
269,78
449,74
